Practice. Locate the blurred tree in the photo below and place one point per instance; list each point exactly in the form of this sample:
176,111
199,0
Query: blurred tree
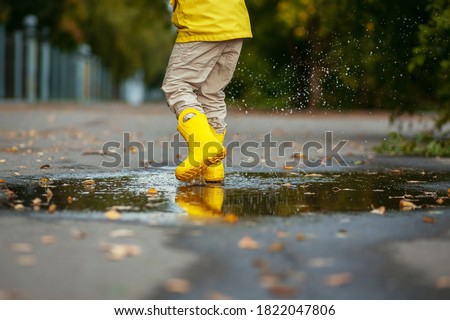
431,59
127,35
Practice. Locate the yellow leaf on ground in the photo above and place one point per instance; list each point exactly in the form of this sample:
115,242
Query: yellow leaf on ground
113,214
381,210
180,286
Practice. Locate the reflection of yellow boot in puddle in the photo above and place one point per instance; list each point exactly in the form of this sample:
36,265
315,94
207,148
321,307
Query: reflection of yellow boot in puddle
200,201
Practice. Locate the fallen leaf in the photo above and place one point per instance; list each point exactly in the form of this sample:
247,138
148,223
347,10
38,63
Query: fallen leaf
320,262
443,282
48,194
36,202
429,220
78,234
2,181
406,205
248,243
26,260
448,192
338,279
88,182
276,247
69,199
299,236
217,296
48,239
342,234
268,280
2,160
52,208
286,185
282,234
231,218
285,291
117,252
440,201
122,233
19,207
180,286
45,166
261,264
152,191
113,214
21,247
381,210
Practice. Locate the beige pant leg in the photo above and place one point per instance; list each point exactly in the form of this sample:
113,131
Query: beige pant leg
189,65
196,76
211,94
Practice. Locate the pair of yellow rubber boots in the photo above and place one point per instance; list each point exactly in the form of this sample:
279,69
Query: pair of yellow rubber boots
206,150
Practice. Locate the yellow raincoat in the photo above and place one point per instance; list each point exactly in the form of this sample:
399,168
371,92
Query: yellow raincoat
210,20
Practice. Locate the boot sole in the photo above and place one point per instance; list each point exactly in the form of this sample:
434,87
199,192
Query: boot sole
196,172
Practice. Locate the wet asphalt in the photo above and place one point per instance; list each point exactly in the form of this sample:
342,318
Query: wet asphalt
73,254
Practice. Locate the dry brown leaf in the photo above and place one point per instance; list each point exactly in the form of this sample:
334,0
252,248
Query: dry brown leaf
217,296
406,205
429,220
36,202
26,260
52,208
21,247
2,181
19,207
248,243
338,279
88,182
443,282
48,239
180,286
113,214
45,166
276,247
381,210
283,291
122,233
231,218
299,236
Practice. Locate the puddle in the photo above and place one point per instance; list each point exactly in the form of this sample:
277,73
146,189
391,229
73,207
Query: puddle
244,193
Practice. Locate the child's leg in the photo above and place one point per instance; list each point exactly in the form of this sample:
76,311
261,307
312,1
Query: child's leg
211,94
189,66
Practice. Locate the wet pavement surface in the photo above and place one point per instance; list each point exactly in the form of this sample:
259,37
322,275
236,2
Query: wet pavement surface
378,229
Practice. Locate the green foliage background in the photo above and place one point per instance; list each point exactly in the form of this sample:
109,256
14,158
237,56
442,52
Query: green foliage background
305,54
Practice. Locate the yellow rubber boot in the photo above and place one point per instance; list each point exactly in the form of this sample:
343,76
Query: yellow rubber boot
216,172
204,148
200,202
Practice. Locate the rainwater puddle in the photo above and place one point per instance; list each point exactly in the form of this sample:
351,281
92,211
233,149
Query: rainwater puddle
244,193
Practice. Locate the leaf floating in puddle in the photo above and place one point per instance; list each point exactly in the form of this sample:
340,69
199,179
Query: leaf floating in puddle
381,210
429,220
231,218
338,279
152,191
180,286
113,214
52,208
248,243
88,182
406,205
